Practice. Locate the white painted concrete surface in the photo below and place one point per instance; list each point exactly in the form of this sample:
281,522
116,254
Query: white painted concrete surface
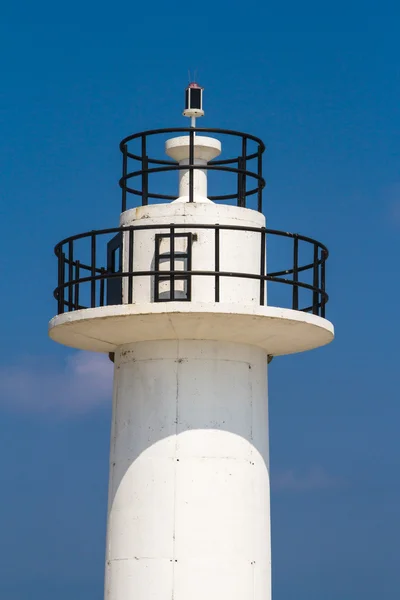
205,149
279,331
189,476
240,251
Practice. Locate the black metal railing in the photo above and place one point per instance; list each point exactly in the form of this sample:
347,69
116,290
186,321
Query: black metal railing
139,166
89,274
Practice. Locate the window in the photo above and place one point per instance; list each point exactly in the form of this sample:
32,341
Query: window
173,253
114,265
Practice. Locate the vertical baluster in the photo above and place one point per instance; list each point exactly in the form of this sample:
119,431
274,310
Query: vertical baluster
157,269
77,268
217,267
295,299
191,165
124,173
244,167
61,280
145,175
70,274
323,256
102,286
172,263
239,182
189,267
130,267
93,271
262,267
315,282
259,172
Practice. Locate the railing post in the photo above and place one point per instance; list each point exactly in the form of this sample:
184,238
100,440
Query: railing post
259,172
145,175
130,266
262,266
157,269
243,166
102,286
315,282
124,173
323,302
61,281
191,164
172,263
239,182
189,266
76,302
93,271
70,274
217,230
295,298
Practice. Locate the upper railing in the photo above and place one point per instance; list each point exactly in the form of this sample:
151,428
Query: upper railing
145,171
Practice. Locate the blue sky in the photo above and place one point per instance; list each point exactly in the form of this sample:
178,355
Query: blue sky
320,85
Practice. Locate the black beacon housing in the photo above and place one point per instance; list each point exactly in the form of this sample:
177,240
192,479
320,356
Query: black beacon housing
193,101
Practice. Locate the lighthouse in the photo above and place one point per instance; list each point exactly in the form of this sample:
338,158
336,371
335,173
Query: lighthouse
177,294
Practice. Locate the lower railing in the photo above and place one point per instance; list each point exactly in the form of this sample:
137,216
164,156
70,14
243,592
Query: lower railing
92,269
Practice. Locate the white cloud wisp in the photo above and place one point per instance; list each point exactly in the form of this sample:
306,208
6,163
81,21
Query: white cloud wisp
81,384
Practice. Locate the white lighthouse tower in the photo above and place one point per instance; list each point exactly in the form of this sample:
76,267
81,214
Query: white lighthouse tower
177,295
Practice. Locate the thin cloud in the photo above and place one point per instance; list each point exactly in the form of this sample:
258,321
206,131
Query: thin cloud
391,196
315,478
82,383
395,212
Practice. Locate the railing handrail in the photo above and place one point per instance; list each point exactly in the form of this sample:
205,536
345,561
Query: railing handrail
238,165
70,267
267,231
150,132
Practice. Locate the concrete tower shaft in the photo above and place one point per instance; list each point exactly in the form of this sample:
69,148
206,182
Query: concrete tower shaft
189,481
